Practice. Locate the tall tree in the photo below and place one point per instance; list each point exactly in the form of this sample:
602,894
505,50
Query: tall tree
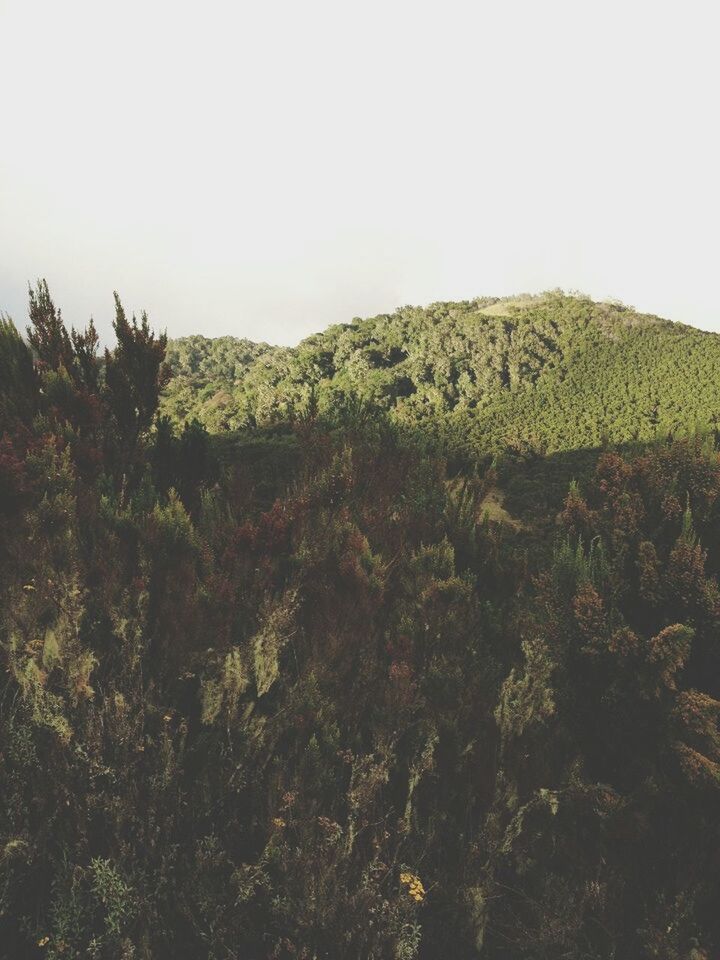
135,374
47,334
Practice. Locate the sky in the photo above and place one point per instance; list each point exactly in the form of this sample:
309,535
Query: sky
266,169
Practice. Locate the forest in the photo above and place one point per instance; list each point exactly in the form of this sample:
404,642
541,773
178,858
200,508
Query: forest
551,372
401,643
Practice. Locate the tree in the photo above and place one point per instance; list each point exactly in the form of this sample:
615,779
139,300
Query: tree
18,383
47,334
135,373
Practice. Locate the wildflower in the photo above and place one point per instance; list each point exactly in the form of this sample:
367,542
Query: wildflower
43,941
278,823
415,887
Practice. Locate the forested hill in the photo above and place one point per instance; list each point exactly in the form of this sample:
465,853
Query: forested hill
554,372
314,690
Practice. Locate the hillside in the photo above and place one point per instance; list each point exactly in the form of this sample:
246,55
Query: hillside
554,372
344,683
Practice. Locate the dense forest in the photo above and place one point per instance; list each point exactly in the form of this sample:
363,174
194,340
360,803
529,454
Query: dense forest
551,372
399,644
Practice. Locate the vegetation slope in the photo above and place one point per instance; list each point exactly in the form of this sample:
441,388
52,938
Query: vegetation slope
554,372
314,689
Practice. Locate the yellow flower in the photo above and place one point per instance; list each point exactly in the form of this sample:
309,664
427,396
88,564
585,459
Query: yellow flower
414,884
278,822
43,941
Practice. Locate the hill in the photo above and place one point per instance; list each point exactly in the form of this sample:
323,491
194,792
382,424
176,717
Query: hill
345,683
555,372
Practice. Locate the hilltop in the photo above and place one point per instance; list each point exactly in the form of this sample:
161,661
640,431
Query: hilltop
553,372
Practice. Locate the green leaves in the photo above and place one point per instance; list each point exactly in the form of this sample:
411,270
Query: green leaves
313,690
134,374
527,375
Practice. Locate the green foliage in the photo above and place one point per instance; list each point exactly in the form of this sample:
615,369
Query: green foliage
134,373
400,663
47,335
17,393
115,895
526,699
523,376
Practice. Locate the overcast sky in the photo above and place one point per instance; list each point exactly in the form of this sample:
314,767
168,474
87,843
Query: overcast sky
268,168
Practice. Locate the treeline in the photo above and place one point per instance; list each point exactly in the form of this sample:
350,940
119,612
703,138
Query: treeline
553,372
299,696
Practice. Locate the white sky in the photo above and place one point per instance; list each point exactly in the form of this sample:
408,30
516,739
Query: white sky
267,168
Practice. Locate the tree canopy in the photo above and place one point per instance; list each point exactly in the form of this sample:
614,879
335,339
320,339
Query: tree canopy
319,686
554,371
